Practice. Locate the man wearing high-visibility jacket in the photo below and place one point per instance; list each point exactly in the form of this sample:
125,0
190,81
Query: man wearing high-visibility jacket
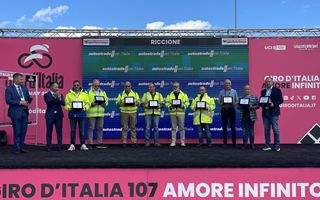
98,100
128,101
177,103
203,106
77,103
152,102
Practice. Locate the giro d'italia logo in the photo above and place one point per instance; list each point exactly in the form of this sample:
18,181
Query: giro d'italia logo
39,55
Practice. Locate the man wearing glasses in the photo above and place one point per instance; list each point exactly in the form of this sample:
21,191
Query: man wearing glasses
128,101
177,103
98,101
77,103
203,105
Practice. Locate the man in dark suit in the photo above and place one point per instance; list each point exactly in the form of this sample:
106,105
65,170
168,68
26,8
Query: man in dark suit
54,114
271,112
18,99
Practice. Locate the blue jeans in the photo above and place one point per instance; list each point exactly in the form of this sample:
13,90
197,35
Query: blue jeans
206,127
152,120
247,130
73,125
269,120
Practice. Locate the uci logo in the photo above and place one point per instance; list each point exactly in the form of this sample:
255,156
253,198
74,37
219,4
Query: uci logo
26,60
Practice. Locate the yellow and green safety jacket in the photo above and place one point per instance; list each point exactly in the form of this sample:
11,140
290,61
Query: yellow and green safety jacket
97,110
203,116
128,109
80,96
145,101
177,111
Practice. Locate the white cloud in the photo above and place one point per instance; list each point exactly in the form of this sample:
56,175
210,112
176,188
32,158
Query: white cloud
191,24
4,23
44,15
21,20
155,25
47,14
91,27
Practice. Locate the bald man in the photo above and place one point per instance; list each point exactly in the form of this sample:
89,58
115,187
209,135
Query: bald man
271,113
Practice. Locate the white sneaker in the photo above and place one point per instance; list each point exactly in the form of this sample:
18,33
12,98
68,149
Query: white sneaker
72,147
84,148
183,144
172,144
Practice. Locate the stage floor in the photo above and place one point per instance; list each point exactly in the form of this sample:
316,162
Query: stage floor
164,157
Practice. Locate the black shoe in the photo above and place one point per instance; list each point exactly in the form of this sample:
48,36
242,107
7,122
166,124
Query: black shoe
135,145
124,145
234,145
24,151
90,146
17,152
244,146
252,146
102,146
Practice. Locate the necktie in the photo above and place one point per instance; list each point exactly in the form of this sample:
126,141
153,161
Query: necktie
20,92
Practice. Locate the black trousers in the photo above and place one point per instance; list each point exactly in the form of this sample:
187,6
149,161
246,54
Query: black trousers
228,115
58,124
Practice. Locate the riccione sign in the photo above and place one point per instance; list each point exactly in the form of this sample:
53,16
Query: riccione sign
275,183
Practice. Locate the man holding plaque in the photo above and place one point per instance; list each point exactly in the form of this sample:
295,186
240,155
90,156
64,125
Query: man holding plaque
203,105
270,99
177,103
54,114
77,103
18,98
152,102
248,104
228,99
98,101
128,101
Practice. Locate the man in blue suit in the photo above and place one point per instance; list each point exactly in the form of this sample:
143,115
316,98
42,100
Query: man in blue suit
18,99
54,114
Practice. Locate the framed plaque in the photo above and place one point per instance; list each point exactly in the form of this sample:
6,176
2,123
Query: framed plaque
129,101
228,100
153,104
99,100
264,100
244,101
176,102
77,105
201,105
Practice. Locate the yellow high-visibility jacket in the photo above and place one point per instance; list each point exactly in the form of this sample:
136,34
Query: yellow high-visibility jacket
145,101
203,115
72,96
97,110
128,109
177,111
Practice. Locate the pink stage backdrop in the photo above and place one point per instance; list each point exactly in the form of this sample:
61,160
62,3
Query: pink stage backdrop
274,183
294,64
65,66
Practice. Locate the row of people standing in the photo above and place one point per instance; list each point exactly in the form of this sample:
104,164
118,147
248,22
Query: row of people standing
91,104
